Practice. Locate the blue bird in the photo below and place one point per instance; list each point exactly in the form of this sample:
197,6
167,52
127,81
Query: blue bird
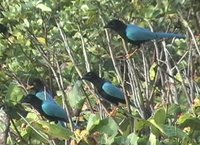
47,108
106,90
137,35
41,91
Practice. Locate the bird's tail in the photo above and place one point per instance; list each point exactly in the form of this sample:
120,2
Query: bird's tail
161,35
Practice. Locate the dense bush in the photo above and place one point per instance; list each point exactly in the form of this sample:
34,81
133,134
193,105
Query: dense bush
59,41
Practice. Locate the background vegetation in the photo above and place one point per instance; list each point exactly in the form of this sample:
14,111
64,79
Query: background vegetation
59,41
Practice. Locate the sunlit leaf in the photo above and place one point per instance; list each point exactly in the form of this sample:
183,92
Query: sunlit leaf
53,130
132,139
107,130
76,97
92,122
41,40
153,71
184,117
160,116
179,77
187,120
107,126
26,23
140,124
14,93
43,7
169,131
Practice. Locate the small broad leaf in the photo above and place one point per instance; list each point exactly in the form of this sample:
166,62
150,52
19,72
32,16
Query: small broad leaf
184,117
43,7
14,94
160,116
107,126
107,129
141,124
169,131
187,120
120,140
41,40
132,139
179,77
92,122
172,131
53,130
153,71
26,23
76,97
174,110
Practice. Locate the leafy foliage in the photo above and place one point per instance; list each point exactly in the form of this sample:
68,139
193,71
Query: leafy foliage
59,41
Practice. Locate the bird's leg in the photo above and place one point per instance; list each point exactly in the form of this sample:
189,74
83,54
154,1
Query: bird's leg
114,112
129,55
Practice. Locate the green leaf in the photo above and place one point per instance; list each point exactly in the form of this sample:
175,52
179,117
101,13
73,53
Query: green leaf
141,124
14,94
108,129
179,77
153,71
149,12
173,131
53,130
187,120
120,140
107,126
92,122
26,23
169,131
160,116
132,139
76,97
183,118
174,110
43,7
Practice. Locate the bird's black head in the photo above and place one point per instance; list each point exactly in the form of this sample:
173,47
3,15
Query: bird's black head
90,76
36,84
116,25
3,29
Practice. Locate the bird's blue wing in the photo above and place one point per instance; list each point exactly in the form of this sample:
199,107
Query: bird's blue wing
43,95
53,109
112,90
136,33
